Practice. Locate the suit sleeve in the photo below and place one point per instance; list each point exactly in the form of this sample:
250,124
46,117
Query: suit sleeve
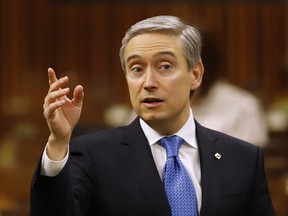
66,194
261,204
51,195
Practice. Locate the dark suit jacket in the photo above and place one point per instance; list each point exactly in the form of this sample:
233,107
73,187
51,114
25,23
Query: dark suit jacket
112,172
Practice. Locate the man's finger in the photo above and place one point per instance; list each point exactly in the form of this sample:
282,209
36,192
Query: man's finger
78,95
52,76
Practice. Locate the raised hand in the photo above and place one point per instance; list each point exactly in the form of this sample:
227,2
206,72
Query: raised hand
61,114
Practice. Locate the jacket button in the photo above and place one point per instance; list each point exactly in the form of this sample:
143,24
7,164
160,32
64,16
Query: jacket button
34,181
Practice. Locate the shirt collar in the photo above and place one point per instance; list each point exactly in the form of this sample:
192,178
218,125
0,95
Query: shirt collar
187,132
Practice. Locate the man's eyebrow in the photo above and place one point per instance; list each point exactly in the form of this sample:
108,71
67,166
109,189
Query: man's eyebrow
132,57
155,55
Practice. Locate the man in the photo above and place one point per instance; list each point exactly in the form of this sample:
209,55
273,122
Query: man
119,171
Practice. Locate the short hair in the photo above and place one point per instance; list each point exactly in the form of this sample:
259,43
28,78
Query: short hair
189,36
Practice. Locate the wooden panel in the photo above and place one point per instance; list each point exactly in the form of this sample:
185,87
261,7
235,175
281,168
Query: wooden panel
283,86
241,43
83,39
271,48
18,50
286,50
10,44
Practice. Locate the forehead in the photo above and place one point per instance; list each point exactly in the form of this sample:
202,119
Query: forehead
152,44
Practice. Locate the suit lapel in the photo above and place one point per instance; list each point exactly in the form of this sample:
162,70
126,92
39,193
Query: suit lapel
212,169
136,154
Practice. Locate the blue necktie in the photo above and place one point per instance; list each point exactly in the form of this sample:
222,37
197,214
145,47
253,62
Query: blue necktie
177,182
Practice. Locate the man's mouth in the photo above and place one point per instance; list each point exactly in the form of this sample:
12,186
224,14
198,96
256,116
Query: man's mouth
152,100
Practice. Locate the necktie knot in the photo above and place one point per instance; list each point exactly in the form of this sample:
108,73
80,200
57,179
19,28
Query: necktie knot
171,144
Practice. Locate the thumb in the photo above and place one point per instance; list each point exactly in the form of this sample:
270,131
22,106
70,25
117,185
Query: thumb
78,95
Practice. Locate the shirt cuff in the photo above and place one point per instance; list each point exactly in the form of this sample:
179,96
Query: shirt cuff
52,168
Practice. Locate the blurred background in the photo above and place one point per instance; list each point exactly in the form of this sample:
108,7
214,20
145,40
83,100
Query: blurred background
81,39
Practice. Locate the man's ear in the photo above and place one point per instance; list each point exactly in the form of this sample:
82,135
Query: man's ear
197,73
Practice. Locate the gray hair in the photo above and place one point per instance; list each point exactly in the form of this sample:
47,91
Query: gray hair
189,36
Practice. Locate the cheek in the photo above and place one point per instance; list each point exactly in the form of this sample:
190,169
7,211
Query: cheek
180,92
181,86
133,89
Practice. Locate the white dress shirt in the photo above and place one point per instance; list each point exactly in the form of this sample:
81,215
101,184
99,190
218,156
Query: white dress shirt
188,154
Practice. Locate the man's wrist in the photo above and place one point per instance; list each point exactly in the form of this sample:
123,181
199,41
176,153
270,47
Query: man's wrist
51,167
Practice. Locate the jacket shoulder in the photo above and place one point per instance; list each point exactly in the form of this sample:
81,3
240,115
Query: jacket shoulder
223,141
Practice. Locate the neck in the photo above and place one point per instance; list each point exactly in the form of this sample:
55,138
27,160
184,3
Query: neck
170,126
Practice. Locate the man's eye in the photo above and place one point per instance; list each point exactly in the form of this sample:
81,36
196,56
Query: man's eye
136,69
165,67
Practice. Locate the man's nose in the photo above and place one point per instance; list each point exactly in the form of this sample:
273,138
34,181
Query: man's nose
150,81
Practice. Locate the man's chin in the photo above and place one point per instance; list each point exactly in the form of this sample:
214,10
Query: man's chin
152,118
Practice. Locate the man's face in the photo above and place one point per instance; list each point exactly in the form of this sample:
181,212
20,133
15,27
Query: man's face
159,80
